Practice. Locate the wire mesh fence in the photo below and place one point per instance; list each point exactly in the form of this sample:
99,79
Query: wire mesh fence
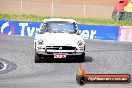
122,15
56,8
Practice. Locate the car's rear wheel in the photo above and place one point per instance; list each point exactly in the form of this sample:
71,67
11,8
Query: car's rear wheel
81,58
37,58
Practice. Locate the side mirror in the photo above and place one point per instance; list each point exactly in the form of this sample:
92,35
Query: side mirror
42,28
40,31
78,32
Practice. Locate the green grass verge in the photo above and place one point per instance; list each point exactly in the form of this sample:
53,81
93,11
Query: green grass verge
95,21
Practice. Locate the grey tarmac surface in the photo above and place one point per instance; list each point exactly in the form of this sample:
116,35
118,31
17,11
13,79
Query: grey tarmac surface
102,57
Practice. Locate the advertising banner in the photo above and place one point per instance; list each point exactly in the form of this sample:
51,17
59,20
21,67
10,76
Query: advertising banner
24,28
99,32
125,33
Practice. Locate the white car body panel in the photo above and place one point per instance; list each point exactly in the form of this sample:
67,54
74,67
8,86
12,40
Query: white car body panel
59,40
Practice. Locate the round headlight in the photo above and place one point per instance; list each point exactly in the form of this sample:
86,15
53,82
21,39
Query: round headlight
80,43
40,42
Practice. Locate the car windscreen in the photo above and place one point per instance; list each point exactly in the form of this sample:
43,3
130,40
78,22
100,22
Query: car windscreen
60,27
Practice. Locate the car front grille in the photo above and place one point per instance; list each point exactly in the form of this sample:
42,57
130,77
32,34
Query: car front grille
60,48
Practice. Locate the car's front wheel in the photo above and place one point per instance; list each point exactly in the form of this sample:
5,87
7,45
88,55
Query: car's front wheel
37,58
81,58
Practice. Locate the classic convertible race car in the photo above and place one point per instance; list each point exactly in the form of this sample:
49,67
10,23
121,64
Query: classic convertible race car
59,38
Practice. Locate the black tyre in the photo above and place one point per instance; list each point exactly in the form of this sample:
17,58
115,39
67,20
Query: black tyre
37,58
81,58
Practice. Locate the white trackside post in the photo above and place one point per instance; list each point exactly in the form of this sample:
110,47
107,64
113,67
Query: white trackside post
84,11
21,6
52,6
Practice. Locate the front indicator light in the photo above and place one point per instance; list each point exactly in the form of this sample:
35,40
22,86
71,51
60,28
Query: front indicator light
39,47
81,48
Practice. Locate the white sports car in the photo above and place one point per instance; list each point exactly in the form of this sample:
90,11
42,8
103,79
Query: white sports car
59,38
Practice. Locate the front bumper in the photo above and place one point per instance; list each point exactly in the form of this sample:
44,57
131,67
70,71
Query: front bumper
52,52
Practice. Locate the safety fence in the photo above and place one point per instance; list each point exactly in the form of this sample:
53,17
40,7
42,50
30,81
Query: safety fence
97,32
122,16
122,10
65,8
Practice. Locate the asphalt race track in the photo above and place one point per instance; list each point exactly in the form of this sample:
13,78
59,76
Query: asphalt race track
102,57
